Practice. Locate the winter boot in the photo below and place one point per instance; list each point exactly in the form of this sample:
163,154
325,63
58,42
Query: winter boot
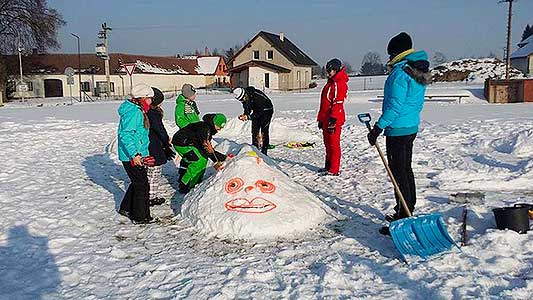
183,188
385,230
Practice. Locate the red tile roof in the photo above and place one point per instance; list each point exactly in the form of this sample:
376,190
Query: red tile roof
90,63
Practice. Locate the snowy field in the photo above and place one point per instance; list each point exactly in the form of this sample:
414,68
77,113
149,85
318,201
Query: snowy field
60,182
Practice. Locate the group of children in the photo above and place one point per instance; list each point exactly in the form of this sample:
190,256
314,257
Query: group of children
144,145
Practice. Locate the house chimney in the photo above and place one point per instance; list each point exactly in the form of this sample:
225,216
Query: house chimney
206,52
282,36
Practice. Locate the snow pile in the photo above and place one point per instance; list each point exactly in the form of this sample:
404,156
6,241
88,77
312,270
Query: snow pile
473,70
280,132
252,199
520,144
144,67
207,65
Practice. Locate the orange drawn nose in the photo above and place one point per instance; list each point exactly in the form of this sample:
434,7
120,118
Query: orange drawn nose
249,188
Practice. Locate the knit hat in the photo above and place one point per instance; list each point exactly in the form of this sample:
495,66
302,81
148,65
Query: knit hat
188,90
219,120
238,93
399,44
158,96
334,64
141,90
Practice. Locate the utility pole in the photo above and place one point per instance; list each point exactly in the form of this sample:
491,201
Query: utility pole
103,35
509,25
79,63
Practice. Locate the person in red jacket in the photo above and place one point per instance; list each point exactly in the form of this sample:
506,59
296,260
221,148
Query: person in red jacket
331,116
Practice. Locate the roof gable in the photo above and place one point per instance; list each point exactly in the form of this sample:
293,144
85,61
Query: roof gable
285,47
526,48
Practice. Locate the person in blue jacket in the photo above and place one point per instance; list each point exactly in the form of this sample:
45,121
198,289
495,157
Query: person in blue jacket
133,151
403,101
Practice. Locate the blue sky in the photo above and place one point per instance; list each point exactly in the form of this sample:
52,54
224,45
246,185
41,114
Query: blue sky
323,29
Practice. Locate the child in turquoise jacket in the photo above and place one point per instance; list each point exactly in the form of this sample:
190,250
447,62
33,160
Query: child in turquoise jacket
133,144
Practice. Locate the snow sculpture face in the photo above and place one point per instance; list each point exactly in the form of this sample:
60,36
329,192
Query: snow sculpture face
249,198
242,203
252,199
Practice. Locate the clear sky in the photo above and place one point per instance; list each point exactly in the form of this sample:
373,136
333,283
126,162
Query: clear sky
323,29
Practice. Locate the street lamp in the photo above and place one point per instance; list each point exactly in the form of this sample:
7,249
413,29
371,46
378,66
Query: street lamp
20,49
79,62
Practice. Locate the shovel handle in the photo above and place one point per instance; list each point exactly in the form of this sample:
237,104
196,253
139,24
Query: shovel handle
365,118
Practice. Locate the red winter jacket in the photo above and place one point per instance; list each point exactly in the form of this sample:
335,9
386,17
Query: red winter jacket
332,99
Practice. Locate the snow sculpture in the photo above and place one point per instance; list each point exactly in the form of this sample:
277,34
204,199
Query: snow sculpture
252,199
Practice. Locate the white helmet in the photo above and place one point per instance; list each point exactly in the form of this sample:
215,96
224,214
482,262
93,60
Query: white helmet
238,93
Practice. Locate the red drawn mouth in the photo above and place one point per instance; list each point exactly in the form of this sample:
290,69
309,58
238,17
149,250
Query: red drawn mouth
257,205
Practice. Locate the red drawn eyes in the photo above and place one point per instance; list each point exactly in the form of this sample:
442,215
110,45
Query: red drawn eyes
236,184
265,186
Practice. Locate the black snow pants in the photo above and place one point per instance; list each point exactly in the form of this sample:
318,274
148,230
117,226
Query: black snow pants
137,197
260,130
399,156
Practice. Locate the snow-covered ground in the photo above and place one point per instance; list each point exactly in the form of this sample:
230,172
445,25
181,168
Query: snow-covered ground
60,183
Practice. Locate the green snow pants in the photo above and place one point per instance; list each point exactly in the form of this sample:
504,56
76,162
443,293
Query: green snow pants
195,164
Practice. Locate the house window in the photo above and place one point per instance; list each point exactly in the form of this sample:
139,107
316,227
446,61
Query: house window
270,55
298,75
30,86
256,54
86,86
101,86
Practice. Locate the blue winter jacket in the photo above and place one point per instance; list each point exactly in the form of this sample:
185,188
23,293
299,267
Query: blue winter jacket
403,99
132,136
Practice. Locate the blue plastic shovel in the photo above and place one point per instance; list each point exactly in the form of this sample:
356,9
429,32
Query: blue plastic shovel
422,235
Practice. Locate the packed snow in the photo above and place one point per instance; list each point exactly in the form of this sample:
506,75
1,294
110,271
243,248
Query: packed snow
207,65
145,67
61,181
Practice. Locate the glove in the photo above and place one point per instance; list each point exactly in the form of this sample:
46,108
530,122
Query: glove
320,125
218,166
148,161
169,153
373,135
332,125
136,161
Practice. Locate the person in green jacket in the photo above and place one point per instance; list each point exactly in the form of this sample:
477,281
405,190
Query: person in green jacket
186,110
193,144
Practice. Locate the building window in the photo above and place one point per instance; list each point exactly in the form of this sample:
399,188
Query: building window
256,54
30,86
270,55
298,75
101,86
85,86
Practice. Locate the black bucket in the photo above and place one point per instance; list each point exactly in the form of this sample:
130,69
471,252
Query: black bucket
514,218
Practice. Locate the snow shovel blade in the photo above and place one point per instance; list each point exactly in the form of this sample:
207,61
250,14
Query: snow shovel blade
423,235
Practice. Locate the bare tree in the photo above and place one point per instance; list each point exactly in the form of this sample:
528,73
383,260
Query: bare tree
438,58
372,64
30,24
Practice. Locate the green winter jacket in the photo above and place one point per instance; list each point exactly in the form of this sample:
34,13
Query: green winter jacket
132,136
186,112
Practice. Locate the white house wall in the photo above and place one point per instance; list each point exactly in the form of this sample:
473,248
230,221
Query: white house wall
166,83
257,78
530,66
